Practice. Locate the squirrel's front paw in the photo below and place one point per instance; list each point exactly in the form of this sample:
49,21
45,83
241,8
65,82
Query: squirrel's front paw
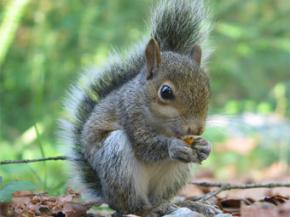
178,150
202,149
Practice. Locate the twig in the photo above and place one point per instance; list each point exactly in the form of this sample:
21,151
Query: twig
226,186
5,162
221,186
241,186
209,184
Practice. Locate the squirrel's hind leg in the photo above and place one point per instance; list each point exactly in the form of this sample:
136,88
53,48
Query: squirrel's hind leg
124,183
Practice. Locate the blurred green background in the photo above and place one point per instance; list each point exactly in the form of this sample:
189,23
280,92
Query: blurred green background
44,45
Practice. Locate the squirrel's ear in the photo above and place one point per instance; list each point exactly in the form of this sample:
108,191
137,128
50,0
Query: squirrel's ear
153,57
196,54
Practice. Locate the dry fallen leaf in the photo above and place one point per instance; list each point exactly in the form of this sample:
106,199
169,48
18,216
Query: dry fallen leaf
248,207
29,204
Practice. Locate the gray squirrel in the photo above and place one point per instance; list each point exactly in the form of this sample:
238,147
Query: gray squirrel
125,122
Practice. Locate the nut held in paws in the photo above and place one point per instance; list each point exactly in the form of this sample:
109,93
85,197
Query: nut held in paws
189,139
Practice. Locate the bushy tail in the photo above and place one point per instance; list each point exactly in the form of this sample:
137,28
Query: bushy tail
179,24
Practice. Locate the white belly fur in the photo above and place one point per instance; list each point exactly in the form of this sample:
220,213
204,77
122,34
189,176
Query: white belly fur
148,178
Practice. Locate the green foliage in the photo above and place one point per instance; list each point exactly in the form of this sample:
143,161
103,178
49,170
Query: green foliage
51,42
252,50
7,191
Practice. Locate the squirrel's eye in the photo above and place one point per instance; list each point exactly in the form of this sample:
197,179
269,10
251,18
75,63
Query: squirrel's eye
166,92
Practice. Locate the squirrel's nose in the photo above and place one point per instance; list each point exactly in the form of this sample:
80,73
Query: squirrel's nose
195,131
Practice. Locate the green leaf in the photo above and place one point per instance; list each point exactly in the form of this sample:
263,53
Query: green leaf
7,191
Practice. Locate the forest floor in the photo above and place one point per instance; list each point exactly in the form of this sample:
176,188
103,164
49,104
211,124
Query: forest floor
249,202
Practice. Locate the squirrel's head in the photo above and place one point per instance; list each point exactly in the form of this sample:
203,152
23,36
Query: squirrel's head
177,91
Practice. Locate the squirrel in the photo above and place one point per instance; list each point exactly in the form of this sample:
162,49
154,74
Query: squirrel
125,122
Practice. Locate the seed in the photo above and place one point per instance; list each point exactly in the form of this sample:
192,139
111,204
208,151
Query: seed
188,140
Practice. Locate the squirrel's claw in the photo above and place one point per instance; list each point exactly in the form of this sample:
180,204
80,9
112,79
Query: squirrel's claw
178,150
198,152
202,148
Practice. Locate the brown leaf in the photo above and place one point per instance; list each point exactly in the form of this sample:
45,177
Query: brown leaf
276,199
30,204
259,209
284,210
190,191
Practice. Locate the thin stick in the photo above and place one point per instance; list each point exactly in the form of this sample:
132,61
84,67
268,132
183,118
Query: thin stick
229,186
5,162
221,186
209,184
226,186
